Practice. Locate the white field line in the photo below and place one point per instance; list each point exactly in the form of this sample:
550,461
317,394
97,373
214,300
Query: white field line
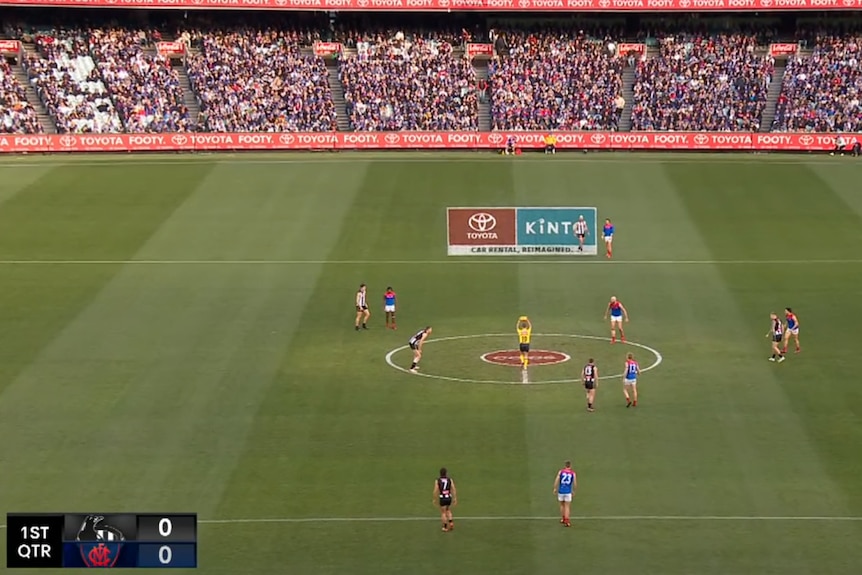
453,260
523,518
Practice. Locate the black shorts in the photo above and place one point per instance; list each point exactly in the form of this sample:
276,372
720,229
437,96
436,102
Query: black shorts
362,308
525,348
777,337
589,385
581,236
445,501
413,346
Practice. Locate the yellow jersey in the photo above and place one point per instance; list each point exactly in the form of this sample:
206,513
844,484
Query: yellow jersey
524,334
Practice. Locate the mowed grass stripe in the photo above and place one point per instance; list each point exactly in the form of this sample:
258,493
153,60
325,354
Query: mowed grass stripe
782,455
13,181
62,209
169,363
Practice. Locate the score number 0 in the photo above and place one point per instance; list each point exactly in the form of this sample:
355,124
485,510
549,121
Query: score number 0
166,554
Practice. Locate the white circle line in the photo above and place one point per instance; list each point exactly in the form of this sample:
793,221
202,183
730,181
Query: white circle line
484,357
392,364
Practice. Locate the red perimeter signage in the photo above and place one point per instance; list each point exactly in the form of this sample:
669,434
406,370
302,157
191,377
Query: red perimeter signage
191,142
466,5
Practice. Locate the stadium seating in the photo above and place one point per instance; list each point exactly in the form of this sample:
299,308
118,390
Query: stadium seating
68,82
406,82
144,87
822,92
260,81
17,116
555,82
716,83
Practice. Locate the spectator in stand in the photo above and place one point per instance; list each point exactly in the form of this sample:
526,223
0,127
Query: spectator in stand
17,116
145,89
68,82
405,82
822,93
555,81
260,81
716,83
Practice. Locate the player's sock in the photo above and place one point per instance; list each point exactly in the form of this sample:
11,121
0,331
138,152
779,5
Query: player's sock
635,403
773,357
357,328
413,365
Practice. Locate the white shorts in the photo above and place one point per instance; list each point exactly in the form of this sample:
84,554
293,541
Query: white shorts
609,239
794,331
616,319
564,497
630,382
389,308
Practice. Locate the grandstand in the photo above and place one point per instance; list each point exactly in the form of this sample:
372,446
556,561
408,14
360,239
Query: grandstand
263,76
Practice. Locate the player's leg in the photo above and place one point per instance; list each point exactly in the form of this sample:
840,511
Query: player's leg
392,315
365,316
796,341
358,319
634,395
786,340
613,331
622,331
591,398
610,246
567,512
443,518
626,387
562,509
449,517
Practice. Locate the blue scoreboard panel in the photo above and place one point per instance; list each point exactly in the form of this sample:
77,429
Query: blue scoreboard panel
101,540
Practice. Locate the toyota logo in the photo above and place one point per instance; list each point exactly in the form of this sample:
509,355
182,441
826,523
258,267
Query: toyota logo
684,3
444,3
179,140
281,2
849,2
701,139
392,138
524,3
482,222
286,139
766,3
67,141
604,3
362,3
806,140
597,138
495,138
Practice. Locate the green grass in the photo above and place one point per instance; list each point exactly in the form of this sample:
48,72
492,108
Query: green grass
176,334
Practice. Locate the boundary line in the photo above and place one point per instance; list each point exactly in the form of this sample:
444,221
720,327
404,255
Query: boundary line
453,260
515,518
389,361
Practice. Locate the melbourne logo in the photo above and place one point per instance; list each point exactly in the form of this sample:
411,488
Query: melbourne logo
98,542
512,358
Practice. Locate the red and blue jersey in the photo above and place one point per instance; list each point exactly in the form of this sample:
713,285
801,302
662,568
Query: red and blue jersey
567,481
632,369
608,230
389,297
791,320
616,309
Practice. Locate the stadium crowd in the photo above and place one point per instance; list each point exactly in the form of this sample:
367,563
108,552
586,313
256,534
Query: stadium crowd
144,87
822,92
406,82
716,83
262,76
555,81
260,81
17,116
68,82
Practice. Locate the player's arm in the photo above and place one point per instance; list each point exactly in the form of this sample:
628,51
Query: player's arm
607,311
454,493
596,373
557,484
436,494
574,484
625,312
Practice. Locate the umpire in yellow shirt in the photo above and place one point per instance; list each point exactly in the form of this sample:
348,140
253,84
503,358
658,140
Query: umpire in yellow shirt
550,144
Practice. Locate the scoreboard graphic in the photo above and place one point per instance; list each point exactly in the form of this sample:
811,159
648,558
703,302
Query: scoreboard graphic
101,540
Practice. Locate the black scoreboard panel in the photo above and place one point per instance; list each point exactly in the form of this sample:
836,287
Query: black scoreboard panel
101,540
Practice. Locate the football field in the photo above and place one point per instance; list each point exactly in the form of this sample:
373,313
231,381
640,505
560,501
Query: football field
176,335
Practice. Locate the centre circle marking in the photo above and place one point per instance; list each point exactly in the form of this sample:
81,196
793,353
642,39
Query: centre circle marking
392,364
513,357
